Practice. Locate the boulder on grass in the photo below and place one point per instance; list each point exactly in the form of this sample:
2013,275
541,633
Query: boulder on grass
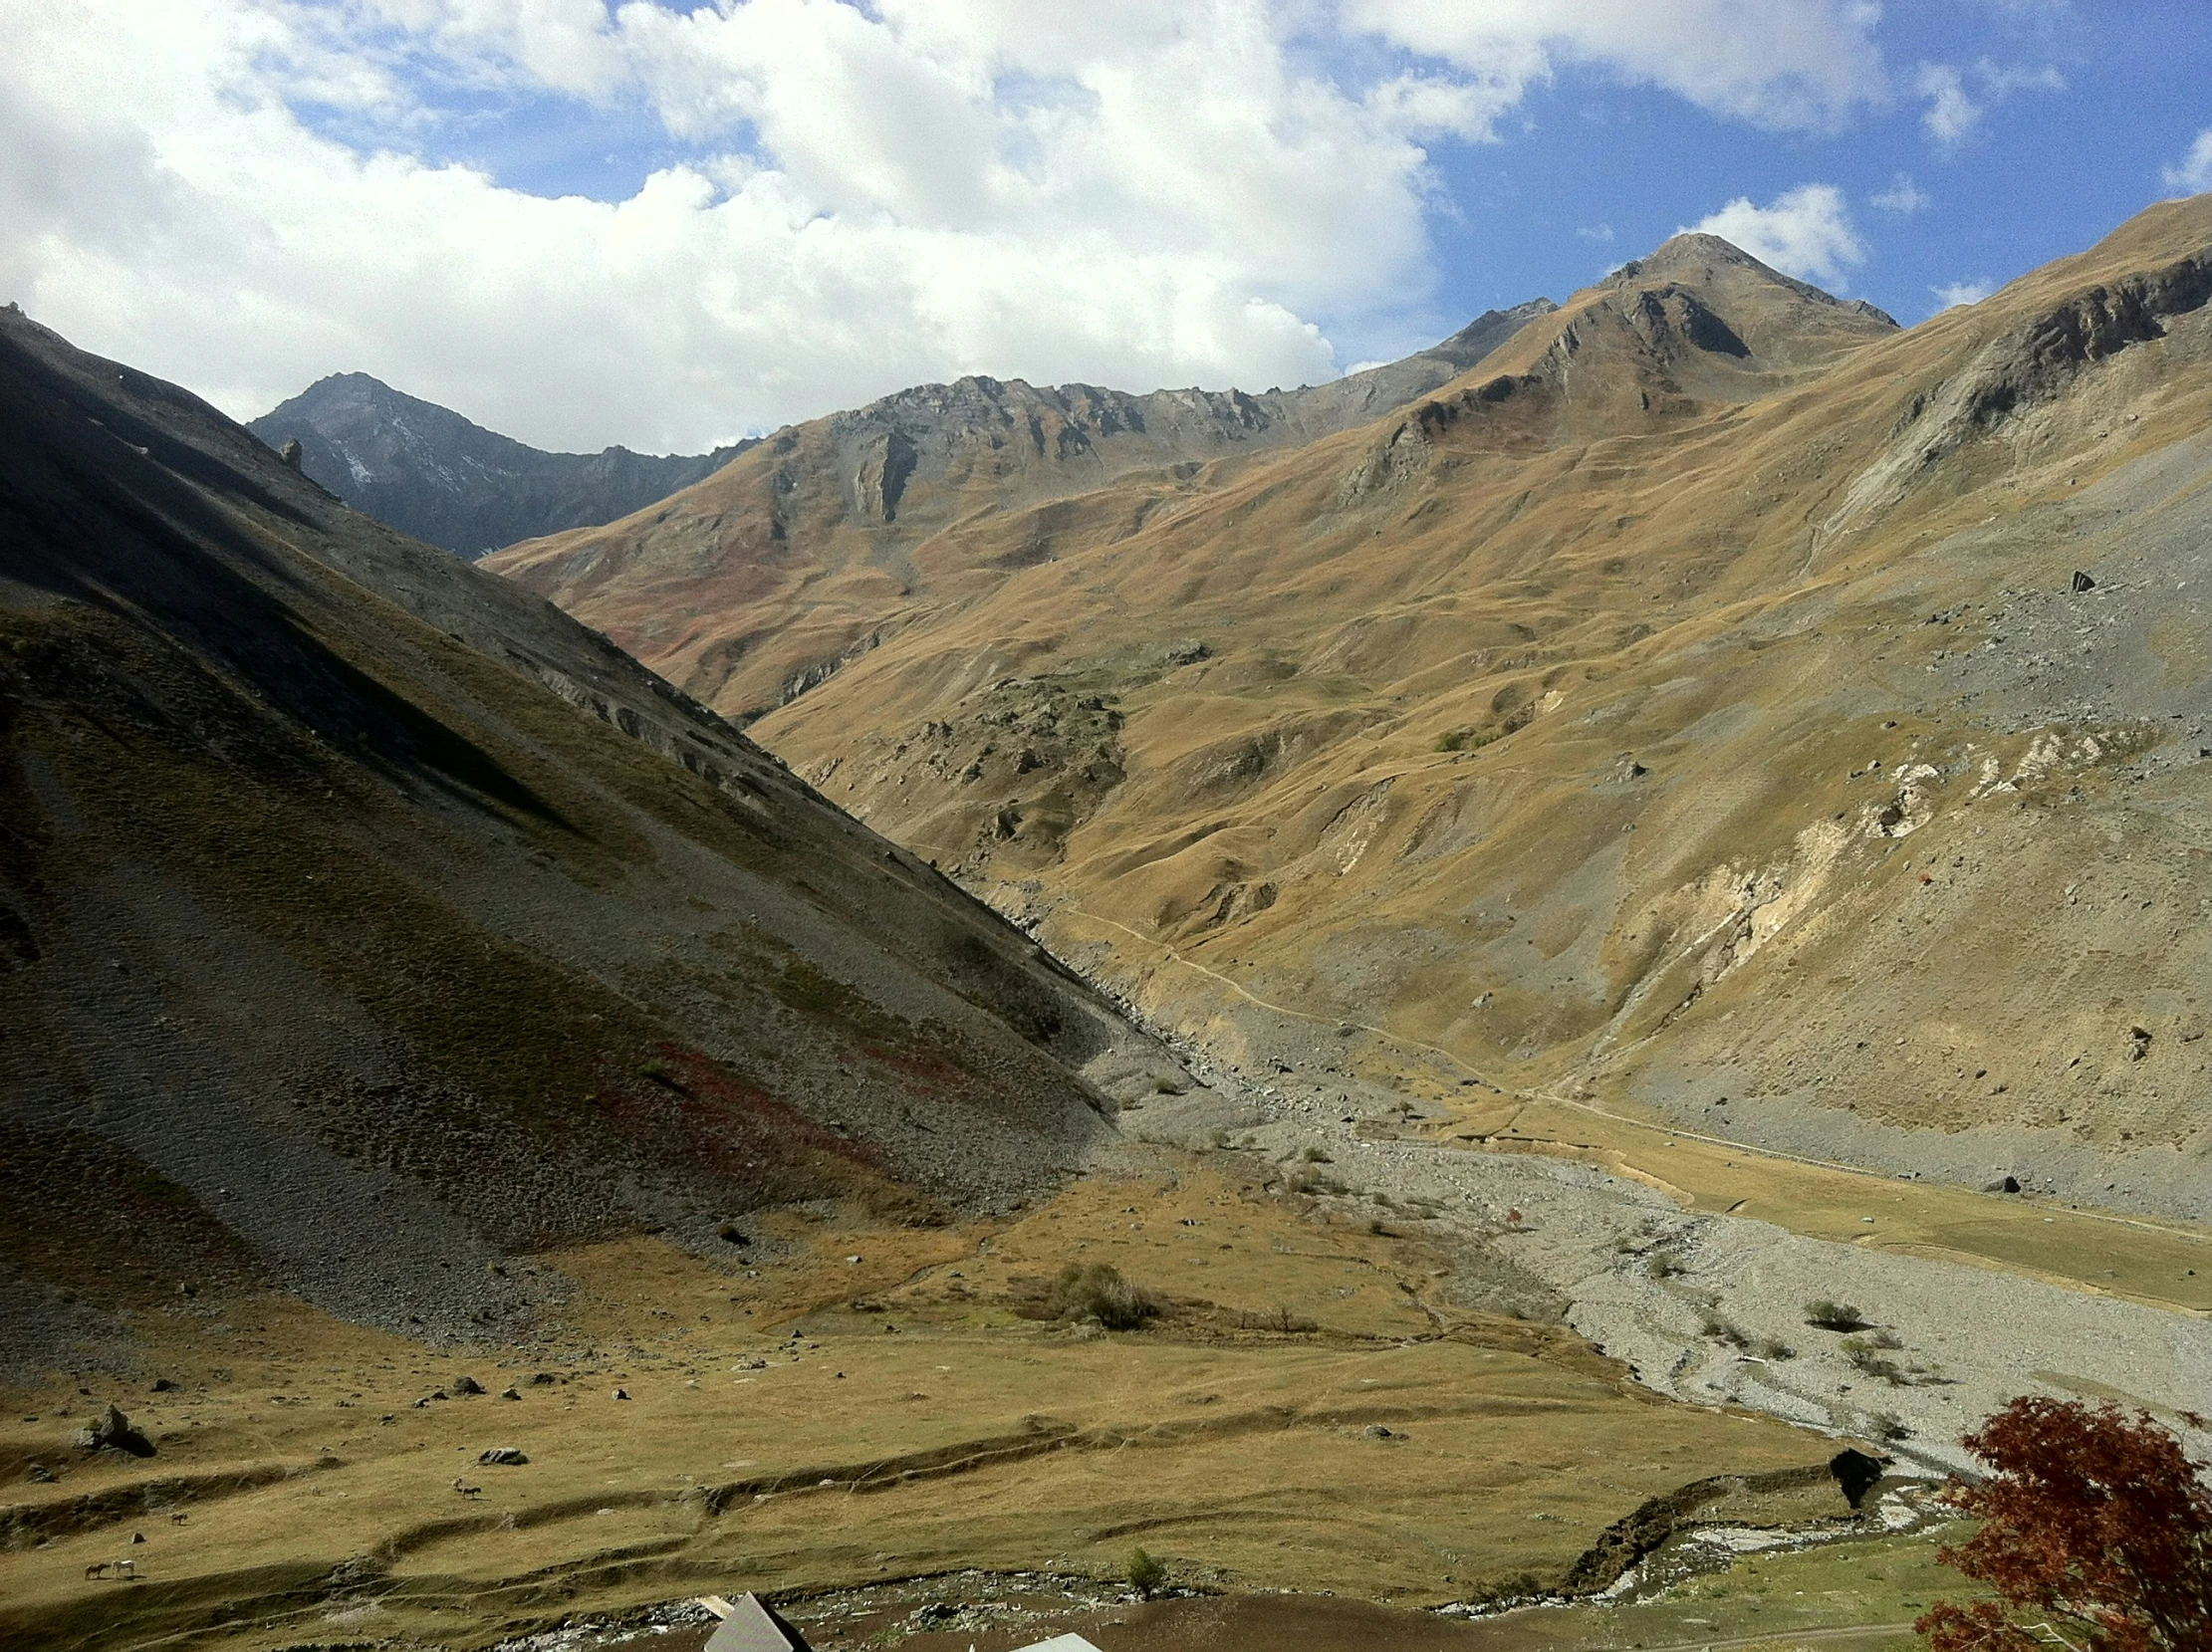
111,1430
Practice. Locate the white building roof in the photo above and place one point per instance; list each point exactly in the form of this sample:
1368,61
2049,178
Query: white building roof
750,1626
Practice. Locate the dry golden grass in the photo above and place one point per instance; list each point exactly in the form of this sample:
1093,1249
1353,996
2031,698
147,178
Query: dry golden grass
969,1436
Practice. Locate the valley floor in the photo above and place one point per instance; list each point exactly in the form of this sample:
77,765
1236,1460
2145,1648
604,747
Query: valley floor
1425,1344
1694,1258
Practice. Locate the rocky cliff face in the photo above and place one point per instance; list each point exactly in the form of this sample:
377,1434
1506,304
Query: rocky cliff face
367,924
433,474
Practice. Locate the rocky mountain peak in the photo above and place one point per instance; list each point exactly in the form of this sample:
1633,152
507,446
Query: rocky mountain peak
1697,259
431,472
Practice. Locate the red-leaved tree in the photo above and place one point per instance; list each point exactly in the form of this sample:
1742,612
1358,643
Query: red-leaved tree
2097,1534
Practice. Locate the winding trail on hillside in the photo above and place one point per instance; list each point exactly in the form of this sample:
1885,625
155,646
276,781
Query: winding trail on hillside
1269,1005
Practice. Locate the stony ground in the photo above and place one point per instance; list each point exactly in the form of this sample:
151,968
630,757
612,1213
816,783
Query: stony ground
1712,1308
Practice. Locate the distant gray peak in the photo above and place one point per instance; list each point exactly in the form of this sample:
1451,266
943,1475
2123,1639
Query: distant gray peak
1483,331
359,394
429,471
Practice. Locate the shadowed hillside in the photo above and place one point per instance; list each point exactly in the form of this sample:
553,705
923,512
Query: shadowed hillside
365,923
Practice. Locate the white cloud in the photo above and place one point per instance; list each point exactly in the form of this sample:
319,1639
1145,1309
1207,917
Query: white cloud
1159,191
1955,293
2193,175
1165,201
1953,113
1595,232
1787,64
1806,232
1903,197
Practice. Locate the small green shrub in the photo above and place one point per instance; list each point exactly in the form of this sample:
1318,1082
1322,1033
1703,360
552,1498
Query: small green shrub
1145,1573
1866,1357
1770,1347
1824,1315
1315,1154
655,1070
1100,1293
1722,1331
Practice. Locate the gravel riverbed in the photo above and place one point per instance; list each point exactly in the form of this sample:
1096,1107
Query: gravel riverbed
1712,1309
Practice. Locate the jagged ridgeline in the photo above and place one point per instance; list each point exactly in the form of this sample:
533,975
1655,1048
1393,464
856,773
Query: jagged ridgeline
1691,699
365,921
816,545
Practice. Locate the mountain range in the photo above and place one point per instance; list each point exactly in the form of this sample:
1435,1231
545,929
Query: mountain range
1447,989
808,548
433,474
1691,706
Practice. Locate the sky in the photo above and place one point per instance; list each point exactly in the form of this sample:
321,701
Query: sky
665,223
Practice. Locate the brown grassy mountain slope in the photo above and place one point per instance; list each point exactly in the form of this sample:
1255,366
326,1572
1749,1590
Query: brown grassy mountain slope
811,548
365,921
1651,713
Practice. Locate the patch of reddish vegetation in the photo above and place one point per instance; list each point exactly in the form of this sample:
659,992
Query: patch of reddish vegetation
924,1075
715,1126
2090,1517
